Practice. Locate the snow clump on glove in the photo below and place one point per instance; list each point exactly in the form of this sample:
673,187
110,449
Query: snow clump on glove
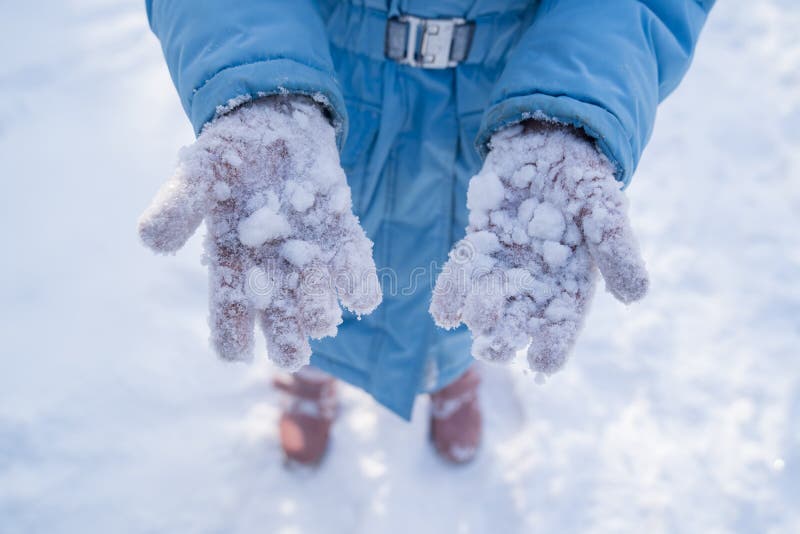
283,244
545,209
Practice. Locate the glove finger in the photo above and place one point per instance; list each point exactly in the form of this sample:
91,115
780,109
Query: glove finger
354,275
448,296
231,314
501,343
494,347
555,329
177,209
320,313
451,289
287,343
485,303
613,245
306,276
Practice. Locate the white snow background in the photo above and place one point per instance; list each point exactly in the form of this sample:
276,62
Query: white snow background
678,414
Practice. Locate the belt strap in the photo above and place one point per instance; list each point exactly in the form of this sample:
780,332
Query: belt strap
370,33
428,43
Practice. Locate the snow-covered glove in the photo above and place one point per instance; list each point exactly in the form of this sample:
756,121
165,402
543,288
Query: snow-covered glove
544,211
282,240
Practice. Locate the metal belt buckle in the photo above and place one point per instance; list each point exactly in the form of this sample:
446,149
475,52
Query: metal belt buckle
428,42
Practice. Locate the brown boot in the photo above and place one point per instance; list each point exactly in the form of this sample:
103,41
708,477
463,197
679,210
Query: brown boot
306,420
456,419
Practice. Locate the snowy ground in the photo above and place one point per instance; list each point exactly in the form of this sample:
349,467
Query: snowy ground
680,414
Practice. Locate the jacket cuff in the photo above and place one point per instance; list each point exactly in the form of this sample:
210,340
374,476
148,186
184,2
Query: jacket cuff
597,122
246,82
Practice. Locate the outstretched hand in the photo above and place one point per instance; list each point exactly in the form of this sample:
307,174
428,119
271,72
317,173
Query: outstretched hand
544,211
283,243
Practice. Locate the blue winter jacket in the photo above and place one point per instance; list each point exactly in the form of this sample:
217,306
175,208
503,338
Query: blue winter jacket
411,138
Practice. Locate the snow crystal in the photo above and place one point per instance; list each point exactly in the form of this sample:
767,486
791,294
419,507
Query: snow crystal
232,104
221,191
524,176
547,223
302,199
519,236
485,191
525,211
503,220
485,242
261,226
340,200
555,254
232,158
299,252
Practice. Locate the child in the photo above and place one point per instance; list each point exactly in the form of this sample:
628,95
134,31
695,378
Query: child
311,112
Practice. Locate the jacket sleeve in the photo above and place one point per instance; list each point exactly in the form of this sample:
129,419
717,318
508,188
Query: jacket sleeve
602,66
220,52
